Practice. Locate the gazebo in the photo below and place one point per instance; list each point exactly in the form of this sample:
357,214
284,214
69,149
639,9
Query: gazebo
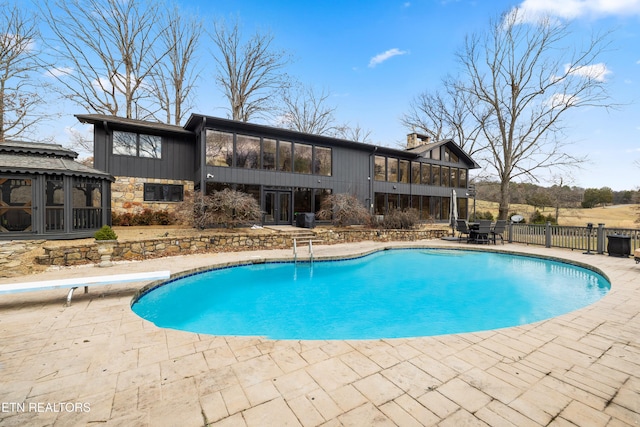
46,194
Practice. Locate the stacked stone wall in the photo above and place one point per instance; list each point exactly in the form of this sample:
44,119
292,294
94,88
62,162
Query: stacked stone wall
127,195
71,254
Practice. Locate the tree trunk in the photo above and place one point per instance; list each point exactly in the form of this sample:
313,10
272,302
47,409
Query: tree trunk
505,199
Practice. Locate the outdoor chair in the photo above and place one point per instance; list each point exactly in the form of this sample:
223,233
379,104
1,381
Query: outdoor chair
498,230
463,228
484,229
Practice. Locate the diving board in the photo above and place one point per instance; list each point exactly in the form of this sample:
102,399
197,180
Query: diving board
75,283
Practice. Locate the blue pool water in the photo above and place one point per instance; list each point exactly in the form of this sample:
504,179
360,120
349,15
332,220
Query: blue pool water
389,294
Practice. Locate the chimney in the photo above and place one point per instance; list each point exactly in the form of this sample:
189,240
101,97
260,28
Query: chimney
415,140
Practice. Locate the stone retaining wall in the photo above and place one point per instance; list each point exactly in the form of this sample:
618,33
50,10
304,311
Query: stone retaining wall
218,242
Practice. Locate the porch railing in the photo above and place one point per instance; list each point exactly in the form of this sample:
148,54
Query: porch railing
586,238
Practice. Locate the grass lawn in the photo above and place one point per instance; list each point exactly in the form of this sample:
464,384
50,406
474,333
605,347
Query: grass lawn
622,216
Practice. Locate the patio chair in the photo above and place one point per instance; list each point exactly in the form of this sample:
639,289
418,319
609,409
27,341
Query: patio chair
463,228
498,230
484,229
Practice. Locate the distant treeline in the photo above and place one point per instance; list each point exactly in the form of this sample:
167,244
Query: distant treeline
557,196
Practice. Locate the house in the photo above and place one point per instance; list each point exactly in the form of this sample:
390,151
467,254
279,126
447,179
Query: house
46,194
156,166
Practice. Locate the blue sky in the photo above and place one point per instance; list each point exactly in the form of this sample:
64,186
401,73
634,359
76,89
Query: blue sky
374,56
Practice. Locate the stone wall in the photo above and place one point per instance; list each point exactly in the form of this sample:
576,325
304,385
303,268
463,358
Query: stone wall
218,242
127,195
16,256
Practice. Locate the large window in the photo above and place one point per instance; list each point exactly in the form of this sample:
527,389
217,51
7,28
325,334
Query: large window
247,152
463,178
303,154
403,171
284,156
322,162
426,174
380,168
135,144
392,175
435,175
415,173
269,154
445,176
163,192
219,148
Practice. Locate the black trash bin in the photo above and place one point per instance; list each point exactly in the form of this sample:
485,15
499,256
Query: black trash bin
306,220
619,245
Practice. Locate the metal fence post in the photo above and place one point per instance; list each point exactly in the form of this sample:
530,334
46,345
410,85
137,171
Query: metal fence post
510,238
547,235
600,239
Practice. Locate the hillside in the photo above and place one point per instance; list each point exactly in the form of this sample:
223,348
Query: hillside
622,216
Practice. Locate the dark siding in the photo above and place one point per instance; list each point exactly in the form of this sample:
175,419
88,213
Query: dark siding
177,162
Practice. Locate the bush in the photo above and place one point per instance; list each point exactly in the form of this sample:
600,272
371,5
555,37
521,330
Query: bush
105,233
484,215
228,208
539,218
145,217
343,209
400,219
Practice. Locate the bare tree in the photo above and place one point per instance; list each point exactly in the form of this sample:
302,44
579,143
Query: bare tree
353,133
250,73
176,74
105,50
448,115
306,110
524,77
20,93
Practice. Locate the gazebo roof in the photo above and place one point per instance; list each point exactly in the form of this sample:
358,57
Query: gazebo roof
39,158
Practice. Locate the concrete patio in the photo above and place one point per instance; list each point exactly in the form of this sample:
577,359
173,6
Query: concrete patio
96,362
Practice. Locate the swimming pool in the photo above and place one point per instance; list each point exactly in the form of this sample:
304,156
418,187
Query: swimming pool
388,294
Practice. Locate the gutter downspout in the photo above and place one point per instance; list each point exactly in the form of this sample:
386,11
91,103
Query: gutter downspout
371,179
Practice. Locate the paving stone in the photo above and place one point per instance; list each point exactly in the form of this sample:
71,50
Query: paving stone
275,412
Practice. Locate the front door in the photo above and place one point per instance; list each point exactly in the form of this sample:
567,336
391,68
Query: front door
277,207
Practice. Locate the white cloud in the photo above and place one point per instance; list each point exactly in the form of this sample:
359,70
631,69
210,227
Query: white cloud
57,72
381,57
561,100
572,9
598,72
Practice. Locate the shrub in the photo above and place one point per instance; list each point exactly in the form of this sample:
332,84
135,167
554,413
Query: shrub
105,233
343,209
146,217
400,219
228,208
484,215
539,218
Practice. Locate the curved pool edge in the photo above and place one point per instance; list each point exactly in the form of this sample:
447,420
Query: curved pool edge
359,254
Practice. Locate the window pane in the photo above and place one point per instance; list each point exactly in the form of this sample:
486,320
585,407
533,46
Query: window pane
463,178
302,200
392,164
452,157
380,169
247,152
415,173
124,143
163,192
302,162
425,211
435,175
269,154
322,164
426,174
150,146
219,148
320,195
284,156
403,171
445,176
380,207
454,177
